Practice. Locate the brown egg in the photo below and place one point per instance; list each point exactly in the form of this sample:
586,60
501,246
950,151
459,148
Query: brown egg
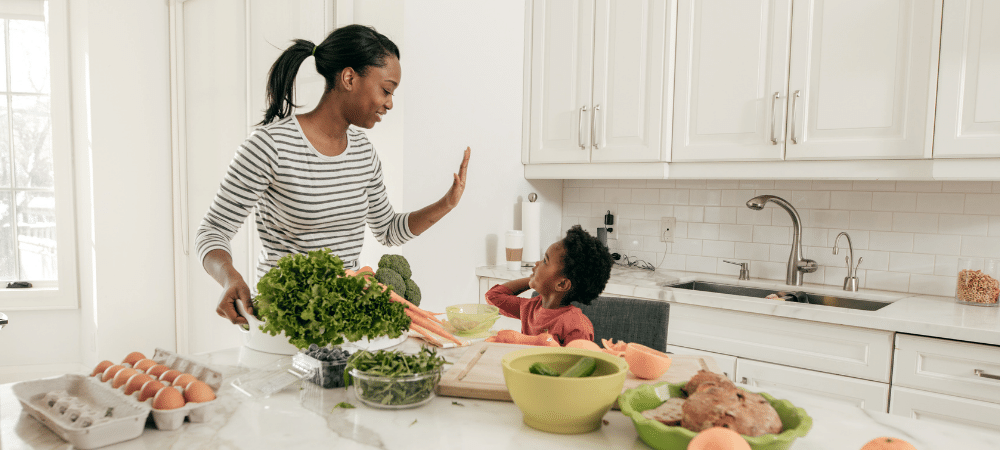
143,364
101,366
168,398
122,376
131,358
198,392
110,372
157,370
149,389
135,383
169,375
183,379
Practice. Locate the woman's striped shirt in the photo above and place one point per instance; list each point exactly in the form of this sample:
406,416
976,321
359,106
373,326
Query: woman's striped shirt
304,200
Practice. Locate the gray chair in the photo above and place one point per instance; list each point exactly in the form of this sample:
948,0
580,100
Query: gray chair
629,320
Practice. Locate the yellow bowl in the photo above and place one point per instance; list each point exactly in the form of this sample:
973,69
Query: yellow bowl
563,405
473,317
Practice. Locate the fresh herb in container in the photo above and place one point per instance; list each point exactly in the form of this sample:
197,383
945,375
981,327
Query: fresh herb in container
312,299
393,379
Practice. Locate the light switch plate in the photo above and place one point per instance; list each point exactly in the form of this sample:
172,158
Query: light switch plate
667,225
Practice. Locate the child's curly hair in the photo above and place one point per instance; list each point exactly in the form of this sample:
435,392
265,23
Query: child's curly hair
587,264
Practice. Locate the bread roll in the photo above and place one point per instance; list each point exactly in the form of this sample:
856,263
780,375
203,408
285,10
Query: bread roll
706,379
669,413
744,412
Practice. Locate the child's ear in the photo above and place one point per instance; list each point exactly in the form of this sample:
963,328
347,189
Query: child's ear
564,285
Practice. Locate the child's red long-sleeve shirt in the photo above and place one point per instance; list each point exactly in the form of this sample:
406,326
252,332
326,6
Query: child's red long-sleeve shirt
566,324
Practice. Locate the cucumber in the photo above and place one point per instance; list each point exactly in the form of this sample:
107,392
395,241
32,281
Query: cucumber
584,367
540,368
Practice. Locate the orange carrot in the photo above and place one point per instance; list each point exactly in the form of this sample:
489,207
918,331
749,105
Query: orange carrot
424,322
411,307
427,334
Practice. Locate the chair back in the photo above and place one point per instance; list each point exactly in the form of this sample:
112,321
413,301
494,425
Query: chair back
630,320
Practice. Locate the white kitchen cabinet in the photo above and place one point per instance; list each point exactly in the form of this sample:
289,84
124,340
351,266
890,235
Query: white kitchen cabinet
597,76
864,394
948,367
805,79
726,362
968,106
947,409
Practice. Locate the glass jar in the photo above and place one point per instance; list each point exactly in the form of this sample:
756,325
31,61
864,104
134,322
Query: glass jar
977,282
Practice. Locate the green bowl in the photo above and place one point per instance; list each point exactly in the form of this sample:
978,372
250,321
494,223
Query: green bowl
472,318
565,405
795,422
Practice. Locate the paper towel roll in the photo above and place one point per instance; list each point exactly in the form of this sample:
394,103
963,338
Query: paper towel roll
531,224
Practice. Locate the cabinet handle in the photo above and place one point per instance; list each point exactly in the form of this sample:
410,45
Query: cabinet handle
774,99
744,380
593,126
794,97
981,373
579,134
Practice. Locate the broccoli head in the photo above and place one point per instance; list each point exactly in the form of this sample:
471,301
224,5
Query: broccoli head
397,263
412,292
391,279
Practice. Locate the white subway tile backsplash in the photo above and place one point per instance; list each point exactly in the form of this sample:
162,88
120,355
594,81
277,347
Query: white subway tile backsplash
910,233
968,186
894,201
705,197
851,200
892,242
964,224
767,234
871,220
941,203
915,222
911,263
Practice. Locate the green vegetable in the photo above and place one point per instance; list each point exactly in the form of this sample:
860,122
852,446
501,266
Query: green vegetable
310,298
395,370
391,279
540,368
584,367
412,292
397,263
344,405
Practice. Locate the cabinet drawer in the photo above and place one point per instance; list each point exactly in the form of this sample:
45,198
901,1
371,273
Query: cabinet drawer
726,363
864,394
838,349
947,367
945,409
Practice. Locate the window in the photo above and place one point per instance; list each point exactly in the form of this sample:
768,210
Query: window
36,212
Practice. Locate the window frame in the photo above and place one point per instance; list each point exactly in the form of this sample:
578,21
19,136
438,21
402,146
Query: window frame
62,293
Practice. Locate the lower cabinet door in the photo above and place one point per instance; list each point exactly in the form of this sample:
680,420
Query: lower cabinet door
726,363
941,408
868,395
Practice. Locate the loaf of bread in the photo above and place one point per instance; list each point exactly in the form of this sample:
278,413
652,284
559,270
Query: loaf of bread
704,379
727,406
669,413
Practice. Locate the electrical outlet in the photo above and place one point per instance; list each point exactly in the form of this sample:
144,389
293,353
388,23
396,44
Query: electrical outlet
667,225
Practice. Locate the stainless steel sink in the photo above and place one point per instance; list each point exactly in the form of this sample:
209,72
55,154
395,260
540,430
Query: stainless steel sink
792,296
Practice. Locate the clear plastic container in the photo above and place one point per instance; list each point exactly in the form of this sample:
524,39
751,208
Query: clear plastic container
978,281
395,392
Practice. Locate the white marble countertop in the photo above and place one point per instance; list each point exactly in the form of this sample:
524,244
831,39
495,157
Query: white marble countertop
291,420
908,313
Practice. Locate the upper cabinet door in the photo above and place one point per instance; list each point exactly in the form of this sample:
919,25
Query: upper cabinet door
562,33
731,76
862,79
630,55
968,108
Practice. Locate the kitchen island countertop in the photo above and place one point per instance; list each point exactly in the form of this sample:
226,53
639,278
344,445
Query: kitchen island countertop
909,313
285,421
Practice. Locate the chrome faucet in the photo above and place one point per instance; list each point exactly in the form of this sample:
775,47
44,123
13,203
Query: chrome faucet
797,265
851,281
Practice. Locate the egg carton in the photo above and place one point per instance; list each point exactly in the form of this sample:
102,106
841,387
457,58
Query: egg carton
82,411
172,419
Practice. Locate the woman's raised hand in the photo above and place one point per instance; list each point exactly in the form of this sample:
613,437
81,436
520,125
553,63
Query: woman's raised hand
458,186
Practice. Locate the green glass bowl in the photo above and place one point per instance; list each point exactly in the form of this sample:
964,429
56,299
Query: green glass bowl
795,422
472,318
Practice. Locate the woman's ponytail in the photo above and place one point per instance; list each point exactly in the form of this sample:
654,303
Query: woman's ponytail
281,80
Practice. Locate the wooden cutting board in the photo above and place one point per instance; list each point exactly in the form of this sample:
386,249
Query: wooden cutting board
479,374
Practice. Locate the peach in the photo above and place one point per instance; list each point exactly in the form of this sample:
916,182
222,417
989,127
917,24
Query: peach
645,362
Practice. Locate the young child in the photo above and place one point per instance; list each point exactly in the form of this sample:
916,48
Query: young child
575,269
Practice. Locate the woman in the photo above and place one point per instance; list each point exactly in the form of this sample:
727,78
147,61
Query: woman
315,181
